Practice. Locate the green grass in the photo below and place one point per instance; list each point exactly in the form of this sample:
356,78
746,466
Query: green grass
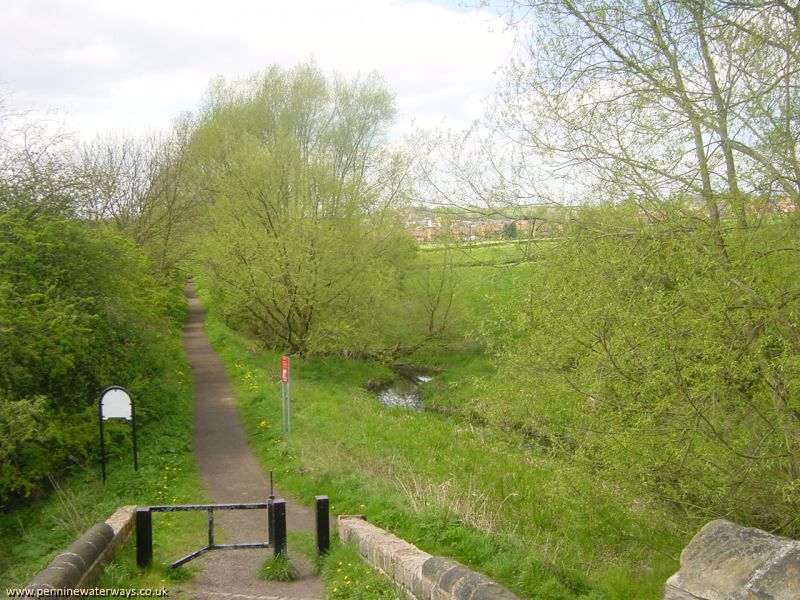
539,524
30,536
344,574
278,568
347,577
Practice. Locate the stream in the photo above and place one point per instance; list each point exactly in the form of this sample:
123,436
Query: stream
404,390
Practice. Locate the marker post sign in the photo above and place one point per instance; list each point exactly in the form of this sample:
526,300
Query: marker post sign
286,394
116,403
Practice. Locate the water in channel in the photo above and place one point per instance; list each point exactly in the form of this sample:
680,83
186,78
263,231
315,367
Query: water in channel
402,391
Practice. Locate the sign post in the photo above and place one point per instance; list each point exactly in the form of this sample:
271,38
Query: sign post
286,395
116,403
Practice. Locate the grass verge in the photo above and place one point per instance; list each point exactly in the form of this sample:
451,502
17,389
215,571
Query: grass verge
345,575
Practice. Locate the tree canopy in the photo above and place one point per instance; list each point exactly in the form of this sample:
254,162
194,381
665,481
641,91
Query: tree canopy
302,241
659,341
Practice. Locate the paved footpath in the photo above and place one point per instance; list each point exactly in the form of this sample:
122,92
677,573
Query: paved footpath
232,474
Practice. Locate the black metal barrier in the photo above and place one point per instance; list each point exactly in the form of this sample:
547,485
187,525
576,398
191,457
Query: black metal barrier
276,528
144,529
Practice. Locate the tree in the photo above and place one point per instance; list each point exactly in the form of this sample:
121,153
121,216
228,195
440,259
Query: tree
663,332
655,99
144,186
510,231
303,243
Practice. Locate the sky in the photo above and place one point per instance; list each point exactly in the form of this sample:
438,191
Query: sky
133,65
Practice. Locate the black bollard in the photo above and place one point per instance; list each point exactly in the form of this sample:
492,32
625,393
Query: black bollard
144,537
323,525
279,516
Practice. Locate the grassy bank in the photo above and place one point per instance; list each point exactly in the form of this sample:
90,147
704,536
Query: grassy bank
483,495
30,536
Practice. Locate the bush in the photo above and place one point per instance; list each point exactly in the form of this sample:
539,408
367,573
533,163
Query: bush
667,365
78,312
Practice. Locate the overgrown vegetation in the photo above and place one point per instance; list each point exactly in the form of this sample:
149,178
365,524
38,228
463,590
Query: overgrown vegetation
32,533
78,311
647,358
481,494
81,308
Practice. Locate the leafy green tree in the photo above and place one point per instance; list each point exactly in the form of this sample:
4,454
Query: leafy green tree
303,244
633,355
659,340
510,231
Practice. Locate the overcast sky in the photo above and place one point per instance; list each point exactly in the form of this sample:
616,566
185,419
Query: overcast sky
133,65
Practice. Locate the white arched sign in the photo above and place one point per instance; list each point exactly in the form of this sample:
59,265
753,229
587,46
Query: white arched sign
115,403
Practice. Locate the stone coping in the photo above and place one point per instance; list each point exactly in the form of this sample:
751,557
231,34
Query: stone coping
417,573
82,562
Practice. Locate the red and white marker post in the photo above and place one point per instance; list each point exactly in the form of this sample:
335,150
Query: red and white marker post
286,395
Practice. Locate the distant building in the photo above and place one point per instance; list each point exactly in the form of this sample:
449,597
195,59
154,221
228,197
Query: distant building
427,226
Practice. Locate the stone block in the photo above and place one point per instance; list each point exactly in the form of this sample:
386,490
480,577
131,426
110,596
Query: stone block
67,569
491,591
730,562
416,572
781,580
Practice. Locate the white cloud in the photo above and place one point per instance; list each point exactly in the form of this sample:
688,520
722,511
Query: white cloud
137,64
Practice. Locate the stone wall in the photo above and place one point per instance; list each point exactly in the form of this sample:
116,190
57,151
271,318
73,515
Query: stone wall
80,564
725,561
419,574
